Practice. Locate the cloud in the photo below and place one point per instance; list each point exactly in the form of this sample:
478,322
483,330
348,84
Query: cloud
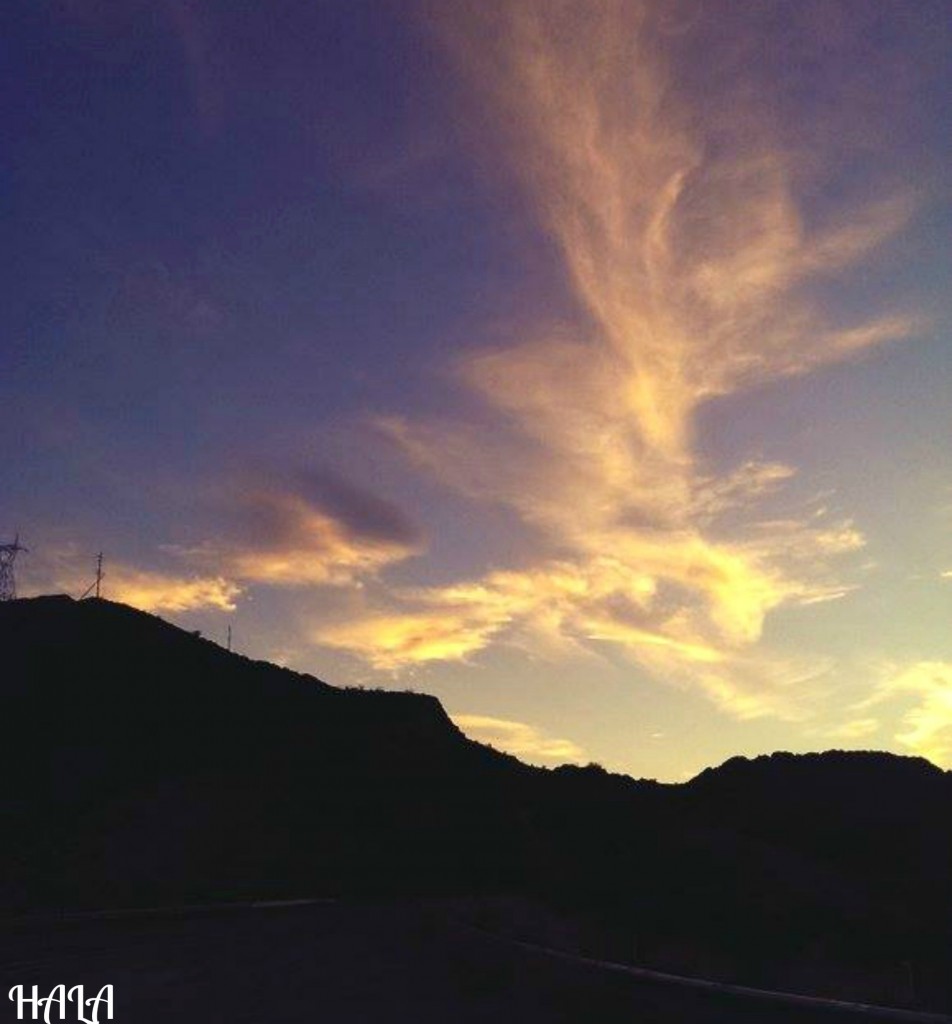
694,272
570,608
391,641
924,688
312,530
315,529
363,513
64,568
158,592
525,741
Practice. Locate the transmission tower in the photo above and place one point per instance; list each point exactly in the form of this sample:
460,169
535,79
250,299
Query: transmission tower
8,555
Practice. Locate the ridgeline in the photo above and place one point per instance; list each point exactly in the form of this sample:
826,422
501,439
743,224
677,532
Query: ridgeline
147,766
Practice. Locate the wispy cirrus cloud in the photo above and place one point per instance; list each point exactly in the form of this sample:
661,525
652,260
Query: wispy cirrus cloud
692,265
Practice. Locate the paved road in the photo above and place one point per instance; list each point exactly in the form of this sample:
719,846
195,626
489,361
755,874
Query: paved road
343,964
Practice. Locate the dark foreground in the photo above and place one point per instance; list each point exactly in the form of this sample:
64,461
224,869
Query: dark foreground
341,963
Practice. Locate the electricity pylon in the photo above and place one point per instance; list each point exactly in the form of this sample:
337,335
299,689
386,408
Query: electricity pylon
8,555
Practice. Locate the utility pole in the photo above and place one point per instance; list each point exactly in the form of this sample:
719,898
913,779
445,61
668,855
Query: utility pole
8,555
229,636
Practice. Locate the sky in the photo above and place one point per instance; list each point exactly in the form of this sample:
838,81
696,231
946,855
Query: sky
585,363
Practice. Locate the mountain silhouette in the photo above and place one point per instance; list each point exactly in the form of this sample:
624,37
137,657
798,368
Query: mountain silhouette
148,766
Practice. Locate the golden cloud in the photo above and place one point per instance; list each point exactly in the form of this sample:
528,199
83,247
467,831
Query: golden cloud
391,641
925,687
520,739
691,263
158,592
62,567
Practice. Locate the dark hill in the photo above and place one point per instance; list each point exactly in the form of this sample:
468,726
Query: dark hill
150,765
885,817
145,765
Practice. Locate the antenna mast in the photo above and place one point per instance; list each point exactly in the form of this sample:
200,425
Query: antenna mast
97,584
8,555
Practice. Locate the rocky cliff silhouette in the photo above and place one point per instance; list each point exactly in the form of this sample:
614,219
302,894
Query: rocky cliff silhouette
148,766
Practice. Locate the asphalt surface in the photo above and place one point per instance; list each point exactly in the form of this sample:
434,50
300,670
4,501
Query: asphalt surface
334,962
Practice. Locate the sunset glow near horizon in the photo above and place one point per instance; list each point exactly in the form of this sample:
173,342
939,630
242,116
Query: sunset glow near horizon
585,364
